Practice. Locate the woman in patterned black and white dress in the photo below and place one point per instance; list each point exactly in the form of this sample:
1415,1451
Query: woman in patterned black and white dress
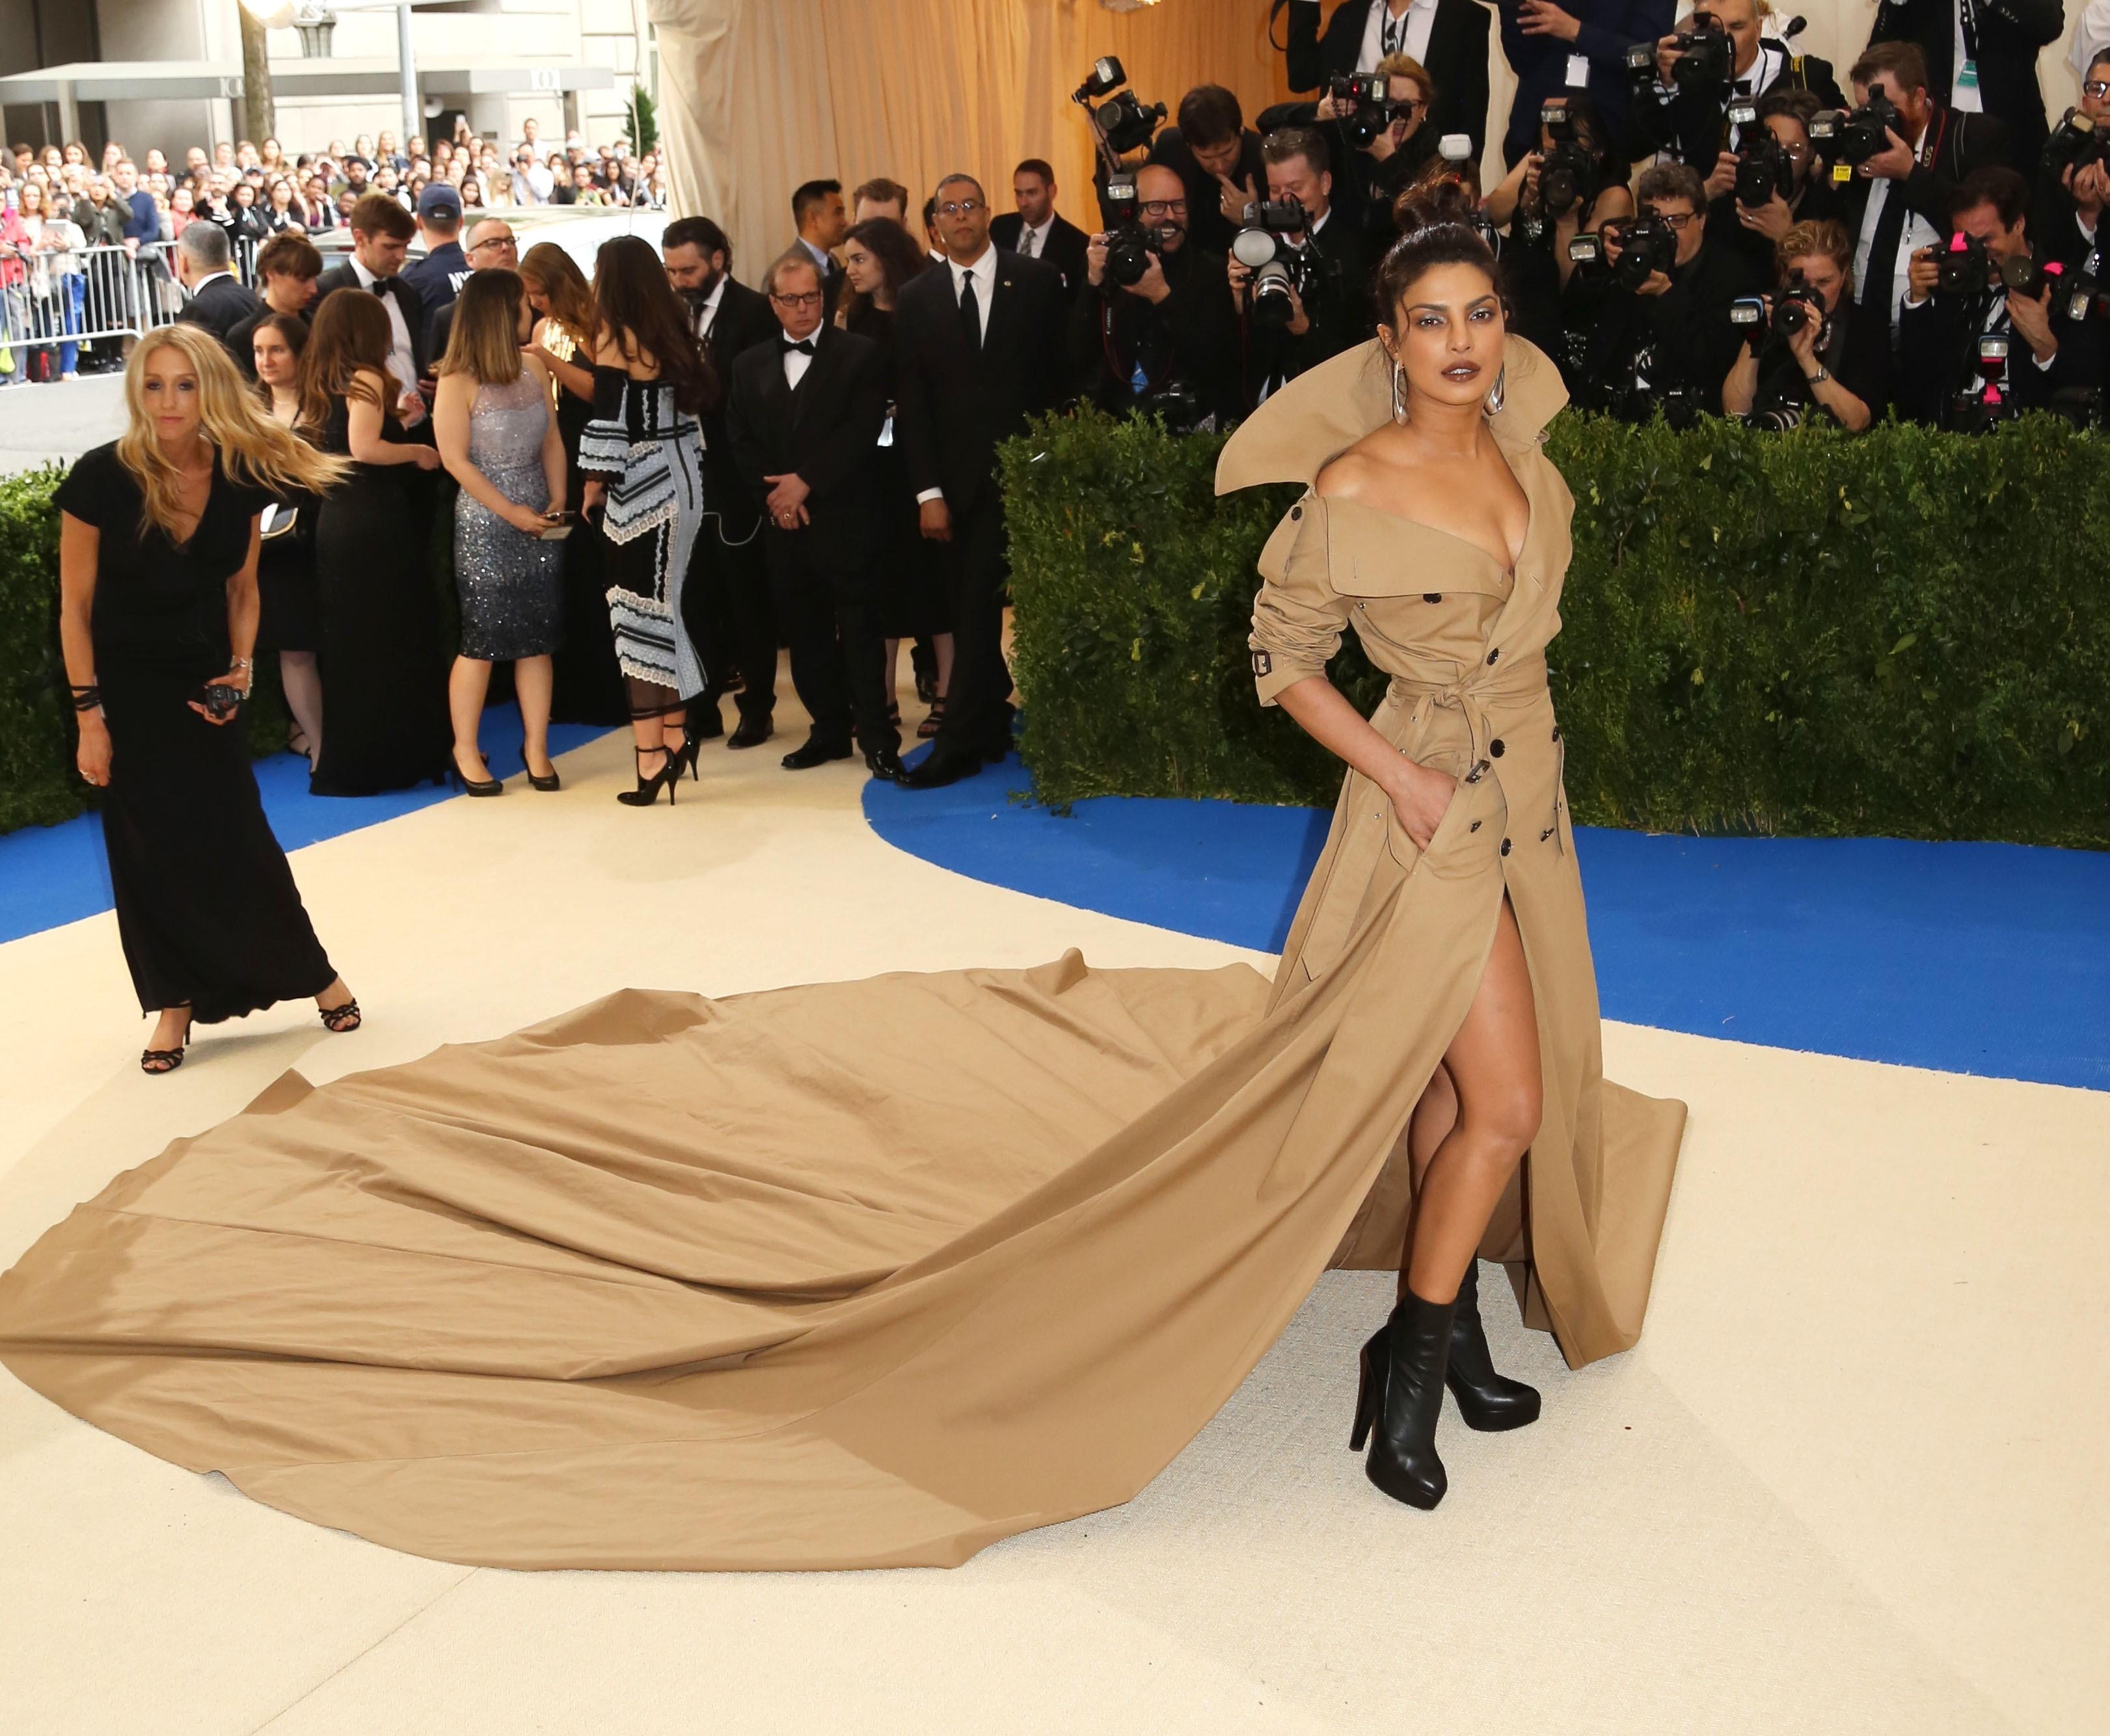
642,457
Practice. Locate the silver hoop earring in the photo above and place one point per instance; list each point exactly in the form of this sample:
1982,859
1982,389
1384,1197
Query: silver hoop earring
1398,393
1495,394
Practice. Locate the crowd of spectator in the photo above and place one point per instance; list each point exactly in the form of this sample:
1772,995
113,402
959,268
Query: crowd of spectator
59,202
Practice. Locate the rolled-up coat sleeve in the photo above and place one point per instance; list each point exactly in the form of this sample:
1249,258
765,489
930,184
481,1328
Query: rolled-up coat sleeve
1297,616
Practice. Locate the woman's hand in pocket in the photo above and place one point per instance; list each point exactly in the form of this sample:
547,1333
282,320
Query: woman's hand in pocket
1420,797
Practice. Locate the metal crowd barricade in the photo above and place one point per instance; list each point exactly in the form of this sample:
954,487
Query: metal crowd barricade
54,302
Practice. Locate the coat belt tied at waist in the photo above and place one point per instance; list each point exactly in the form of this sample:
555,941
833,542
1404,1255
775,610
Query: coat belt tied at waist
1516,685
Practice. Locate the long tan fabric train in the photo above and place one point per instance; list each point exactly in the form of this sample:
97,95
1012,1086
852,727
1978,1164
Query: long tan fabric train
757,1283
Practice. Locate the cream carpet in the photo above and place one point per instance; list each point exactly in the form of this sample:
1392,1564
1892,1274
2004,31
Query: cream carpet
1851,1480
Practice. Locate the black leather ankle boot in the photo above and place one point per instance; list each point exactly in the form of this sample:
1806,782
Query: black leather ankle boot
1485,1399
1402,1397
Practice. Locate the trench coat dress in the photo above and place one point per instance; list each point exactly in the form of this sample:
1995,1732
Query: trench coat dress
1464,643
872,1274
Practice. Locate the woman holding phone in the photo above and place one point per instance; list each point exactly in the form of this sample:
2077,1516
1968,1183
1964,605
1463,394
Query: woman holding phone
157,617
499,438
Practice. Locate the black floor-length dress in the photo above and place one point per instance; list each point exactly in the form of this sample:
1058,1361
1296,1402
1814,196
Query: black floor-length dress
385,722
206,907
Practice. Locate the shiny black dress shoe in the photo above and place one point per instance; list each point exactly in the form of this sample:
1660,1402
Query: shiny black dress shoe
1400,1399
885,763
941,769
750,733
813,753
1485,1399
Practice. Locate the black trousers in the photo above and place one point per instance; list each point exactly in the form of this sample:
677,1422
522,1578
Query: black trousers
978,698
727,609
827,607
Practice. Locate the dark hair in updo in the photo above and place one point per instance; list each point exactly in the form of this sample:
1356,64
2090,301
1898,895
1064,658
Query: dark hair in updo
1436,228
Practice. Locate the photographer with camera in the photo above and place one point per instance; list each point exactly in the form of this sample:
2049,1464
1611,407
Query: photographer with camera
2073,176
1569,183
1577,49
1297,272
1376,131
1651,318
1798,357
1982,58
1985,331
1908,155
1218,158
1447,37
1781,182
1719,55
1150,330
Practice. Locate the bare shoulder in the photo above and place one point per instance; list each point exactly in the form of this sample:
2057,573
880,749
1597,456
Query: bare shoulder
1351,477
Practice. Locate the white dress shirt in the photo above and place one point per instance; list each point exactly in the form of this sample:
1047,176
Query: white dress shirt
1964,98
796,362
1033,242
1420,20
822,257
707,314
983,271
1918,233
402,357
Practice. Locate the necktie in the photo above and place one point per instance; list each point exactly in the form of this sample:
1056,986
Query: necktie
1393,36
803,346
1032,240
971,311
1881,288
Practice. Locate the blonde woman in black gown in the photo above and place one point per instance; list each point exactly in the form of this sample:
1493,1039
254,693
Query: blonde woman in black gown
158,548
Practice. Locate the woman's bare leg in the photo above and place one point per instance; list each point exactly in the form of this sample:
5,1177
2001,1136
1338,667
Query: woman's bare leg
302,684
1491,1069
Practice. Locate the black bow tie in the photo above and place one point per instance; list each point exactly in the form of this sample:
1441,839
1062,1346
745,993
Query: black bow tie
804,346
386,286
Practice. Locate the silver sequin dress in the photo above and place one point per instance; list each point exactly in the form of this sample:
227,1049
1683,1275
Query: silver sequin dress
511,583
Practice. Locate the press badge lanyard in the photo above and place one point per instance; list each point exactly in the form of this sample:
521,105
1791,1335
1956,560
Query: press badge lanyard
1965,93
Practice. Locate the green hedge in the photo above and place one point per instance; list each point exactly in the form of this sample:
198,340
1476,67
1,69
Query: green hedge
1903,633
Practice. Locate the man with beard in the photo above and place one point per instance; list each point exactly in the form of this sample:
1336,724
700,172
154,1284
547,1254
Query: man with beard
1134,344
728,600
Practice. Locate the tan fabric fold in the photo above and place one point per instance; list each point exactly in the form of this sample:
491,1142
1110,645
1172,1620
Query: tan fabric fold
875,1273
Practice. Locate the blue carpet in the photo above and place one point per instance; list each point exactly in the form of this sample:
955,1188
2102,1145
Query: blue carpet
1968,958
55,874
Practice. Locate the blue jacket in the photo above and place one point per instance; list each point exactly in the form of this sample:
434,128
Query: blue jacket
1609,28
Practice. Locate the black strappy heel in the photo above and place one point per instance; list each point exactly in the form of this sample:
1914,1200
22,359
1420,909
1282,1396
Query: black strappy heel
647,789
345,1018
154,1062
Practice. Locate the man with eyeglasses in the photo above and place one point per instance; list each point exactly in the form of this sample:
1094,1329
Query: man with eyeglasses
804,421
1672,333
1368,177
1982,58
978,348
1133,344
1036,229
1754,231
492,247
2067,210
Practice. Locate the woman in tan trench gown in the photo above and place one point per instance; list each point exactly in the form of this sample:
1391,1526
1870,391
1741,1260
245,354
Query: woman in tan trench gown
669,1282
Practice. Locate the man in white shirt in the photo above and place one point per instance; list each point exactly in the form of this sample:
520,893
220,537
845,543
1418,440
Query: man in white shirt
1037,230
381,232
1449,37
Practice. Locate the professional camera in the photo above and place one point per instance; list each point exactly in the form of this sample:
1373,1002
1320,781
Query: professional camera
2022,275
1763,167
1124,122
1279,265
1179,405
1794,308
1973,413
1648,245
2081,296
1129,243
1568,177
1965,269
1852,137
1707,60
1363,106
2075,143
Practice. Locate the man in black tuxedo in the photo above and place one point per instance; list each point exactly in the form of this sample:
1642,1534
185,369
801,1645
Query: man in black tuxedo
727,604
1036,230
286,266
1938,370
1336,314
1217,155
381,232
1897,200
1692,122
805,416
1448,37
2000,42
818,209
978,347
205,265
